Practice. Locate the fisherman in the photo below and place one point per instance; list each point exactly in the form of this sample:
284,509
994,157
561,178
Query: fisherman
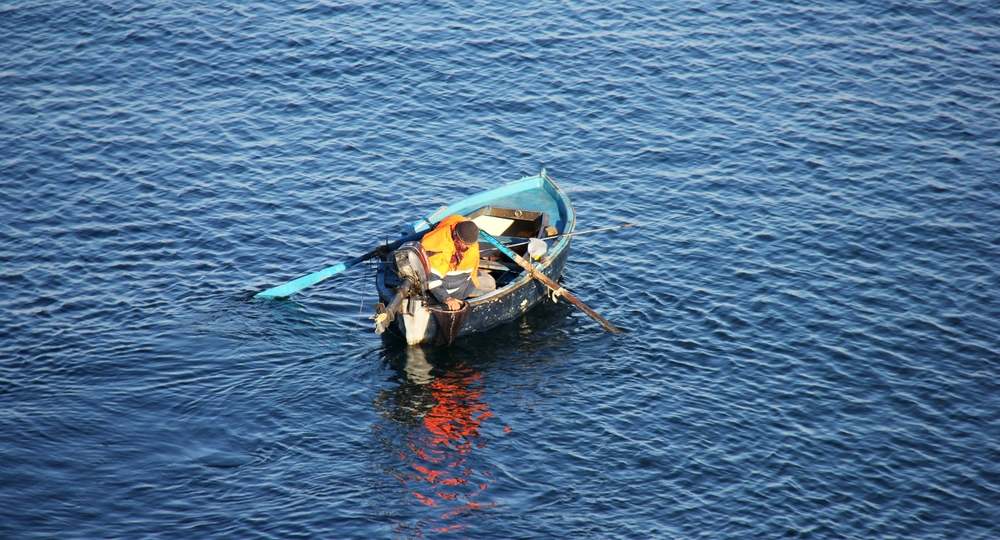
453,254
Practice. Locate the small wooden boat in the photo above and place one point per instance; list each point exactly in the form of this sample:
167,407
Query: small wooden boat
533,207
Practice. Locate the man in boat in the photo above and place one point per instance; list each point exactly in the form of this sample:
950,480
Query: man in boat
453,255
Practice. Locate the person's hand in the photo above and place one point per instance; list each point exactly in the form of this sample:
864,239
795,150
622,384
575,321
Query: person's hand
453,304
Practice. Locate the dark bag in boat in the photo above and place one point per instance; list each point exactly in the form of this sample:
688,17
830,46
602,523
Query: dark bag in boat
450,323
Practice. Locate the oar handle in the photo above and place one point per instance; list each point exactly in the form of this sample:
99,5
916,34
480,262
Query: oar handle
535,273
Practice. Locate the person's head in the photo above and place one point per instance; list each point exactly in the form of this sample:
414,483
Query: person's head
467,233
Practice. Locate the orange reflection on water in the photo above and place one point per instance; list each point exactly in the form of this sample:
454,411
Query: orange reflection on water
440,448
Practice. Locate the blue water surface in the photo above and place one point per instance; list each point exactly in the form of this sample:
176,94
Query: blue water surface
811,293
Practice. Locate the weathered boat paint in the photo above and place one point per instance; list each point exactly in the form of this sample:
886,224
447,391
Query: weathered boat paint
415,324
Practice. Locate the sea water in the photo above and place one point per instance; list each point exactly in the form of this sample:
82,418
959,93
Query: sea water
810,292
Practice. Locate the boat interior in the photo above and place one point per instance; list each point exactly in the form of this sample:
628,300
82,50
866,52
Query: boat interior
511,226
508,225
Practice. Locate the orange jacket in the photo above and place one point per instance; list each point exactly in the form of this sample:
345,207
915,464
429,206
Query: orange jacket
440,247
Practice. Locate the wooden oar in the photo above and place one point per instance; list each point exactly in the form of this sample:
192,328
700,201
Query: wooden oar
297,285
535,273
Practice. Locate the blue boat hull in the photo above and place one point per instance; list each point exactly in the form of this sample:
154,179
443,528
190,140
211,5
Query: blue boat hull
415,322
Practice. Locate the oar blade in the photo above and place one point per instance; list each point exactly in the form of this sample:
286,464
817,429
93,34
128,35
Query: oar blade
297,285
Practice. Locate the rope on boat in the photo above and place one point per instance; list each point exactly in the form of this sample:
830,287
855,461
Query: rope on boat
361,308
555,294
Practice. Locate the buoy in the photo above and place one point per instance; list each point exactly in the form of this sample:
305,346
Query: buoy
537,248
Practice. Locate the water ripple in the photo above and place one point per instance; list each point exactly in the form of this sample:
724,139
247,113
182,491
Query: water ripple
809,298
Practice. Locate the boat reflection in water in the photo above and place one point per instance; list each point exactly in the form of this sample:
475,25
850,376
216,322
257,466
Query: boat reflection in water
433,424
